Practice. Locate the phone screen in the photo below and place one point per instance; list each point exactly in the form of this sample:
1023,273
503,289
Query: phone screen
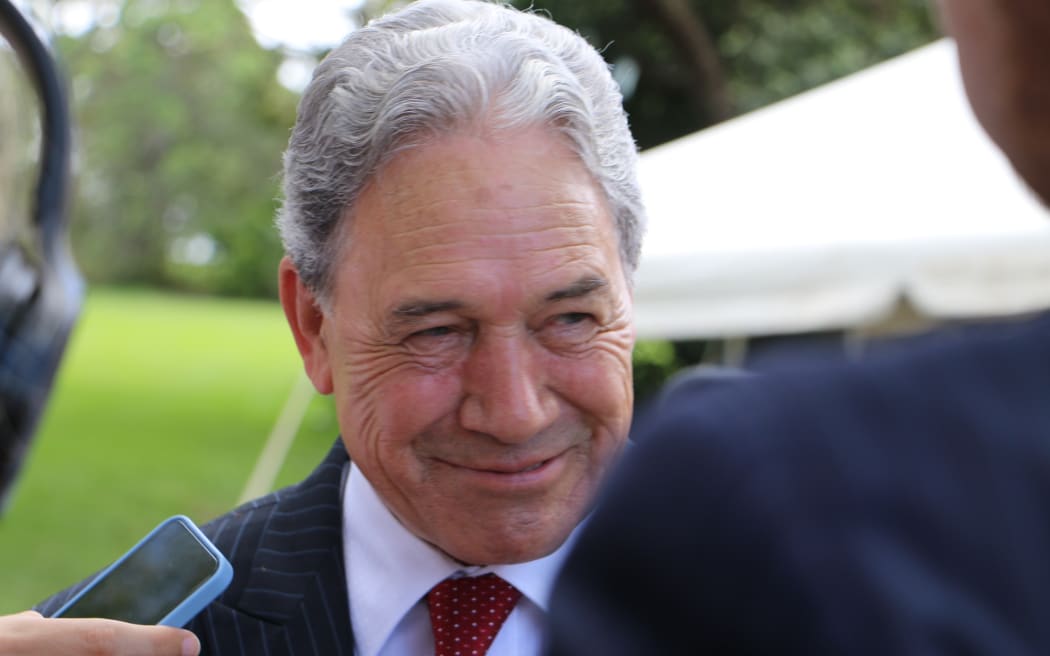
151,581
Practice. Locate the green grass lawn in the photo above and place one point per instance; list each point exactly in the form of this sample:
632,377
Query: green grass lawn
161,407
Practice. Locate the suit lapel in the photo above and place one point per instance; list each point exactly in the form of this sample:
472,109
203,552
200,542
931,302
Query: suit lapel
289,591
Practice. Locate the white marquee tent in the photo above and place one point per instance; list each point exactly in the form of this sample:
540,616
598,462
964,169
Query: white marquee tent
831,209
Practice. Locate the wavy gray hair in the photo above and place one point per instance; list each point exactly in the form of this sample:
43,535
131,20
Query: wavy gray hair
435,67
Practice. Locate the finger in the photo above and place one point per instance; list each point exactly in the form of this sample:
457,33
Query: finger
26,614
122,639
73,637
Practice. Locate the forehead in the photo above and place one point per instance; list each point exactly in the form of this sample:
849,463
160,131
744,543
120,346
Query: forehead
520,204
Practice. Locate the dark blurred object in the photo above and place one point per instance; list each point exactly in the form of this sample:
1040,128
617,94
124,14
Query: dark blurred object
895,506
691,385
690,381
40,289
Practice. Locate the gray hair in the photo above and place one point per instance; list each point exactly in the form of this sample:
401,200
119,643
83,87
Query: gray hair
432,68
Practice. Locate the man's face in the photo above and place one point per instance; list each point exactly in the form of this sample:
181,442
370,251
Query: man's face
1004,55
479,343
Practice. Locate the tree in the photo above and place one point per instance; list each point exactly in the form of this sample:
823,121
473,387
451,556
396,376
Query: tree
700,62
182,125
697,52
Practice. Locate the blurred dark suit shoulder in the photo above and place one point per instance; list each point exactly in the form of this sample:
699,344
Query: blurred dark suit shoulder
900,505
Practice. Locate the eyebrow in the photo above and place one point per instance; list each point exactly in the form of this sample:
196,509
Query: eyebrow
581,287
411,311
416,309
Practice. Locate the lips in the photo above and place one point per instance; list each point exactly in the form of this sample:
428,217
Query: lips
505,469
520,478
518,468
512,470
533,467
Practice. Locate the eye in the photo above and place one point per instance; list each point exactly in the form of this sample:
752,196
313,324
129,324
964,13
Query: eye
442,340
571,318
569,329
436,331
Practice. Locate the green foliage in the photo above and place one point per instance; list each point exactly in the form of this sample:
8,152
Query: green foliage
653,362
162,406
777,49
19,162
181,124
768,49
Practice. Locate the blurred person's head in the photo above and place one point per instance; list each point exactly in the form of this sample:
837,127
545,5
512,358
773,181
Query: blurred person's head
39,288
1004,54
461,222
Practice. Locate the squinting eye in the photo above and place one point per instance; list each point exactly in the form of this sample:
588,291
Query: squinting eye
569,329
570,318
436,341
436,331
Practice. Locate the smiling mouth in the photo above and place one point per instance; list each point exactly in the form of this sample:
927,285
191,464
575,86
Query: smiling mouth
509,471
526,476
505,471
528,469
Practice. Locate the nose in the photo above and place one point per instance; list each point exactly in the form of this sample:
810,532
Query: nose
506,395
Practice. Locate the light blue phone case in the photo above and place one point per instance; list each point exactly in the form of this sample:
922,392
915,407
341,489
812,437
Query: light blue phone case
196,600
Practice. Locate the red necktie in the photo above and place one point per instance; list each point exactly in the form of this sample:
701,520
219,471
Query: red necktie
466,613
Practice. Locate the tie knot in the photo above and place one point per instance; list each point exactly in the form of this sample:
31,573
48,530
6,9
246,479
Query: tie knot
466,613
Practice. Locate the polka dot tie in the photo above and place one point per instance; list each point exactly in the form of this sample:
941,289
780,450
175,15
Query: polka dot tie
466,613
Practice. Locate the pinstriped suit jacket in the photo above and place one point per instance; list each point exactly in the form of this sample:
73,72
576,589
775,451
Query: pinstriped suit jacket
288,595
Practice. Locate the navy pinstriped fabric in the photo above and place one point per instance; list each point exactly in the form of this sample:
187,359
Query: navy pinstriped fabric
288,595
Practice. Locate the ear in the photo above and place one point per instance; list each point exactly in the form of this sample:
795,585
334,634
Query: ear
305,319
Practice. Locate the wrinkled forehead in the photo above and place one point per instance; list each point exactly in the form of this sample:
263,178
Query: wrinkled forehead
469,201
472,185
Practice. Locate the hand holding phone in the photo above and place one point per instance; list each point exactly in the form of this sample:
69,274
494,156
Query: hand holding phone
167,578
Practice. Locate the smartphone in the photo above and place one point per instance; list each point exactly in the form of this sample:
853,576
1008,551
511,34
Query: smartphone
167,578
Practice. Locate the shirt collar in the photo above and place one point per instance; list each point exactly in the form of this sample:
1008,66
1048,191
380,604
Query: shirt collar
389,570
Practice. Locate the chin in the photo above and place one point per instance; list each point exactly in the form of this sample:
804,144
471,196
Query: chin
508,548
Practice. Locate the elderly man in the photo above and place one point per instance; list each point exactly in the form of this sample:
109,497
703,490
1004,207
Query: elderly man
461,221
899,506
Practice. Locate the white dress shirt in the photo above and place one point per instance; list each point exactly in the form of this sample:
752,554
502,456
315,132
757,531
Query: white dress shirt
389,572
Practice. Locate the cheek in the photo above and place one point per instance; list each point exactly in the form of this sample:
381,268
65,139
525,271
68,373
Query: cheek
404,404
600,384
